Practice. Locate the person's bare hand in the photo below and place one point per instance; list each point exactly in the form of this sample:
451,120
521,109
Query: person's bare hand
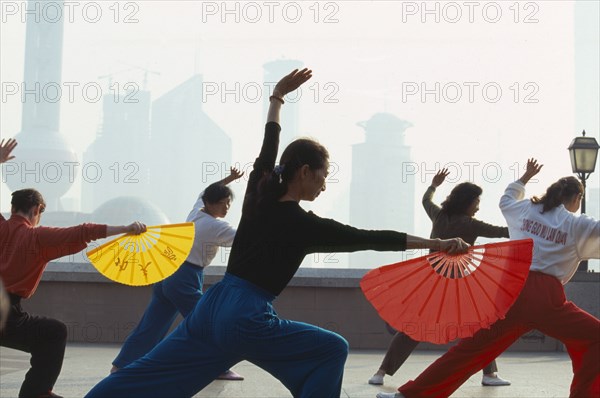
291,82
235,174
532,168
6,148
136,228
439,178
454,246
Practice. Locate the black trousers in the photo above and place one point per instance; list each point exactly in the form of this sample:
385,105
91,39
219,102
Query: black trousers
44,338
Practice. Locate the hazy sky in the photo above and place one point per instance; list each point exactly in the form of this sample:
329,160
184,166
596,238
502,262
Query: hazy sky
503,72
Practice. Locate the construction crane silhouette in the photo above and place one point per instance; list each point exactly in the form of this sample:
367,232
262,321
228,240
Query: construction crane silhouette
110,76
146,71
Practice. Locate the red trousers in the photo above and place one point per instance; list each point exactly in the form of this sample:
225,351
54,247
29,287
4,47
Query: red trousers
541,305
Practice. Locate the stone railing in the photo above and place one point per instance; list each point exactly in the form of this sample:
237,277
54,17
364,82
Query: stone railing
96,309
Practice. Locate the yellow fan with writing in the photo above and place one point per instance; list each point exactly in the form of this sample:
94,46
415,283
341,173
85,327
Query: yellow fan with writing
147,258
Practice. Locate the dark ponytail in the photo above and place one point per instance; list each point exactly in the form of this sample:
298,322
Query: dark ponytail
302,151
558,193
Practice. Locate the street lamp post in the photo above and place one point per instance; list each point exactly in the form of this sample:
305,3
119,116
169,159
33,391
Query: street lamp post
583,151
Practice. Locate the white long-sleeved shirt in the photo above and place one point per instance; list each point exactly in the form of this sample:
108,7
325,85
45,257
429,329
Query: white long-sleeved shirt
561,239
211,233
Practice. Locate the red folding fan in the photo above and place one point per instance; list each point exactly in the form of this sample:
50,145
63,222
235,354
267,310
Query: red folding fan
441,297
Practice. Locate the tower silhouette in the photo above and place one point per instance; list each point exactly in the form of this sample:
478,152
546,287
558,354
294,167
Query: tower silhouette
379,199
44,158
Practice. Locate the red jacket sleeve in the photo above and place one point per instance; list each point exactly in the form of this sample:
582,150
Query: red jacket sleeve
58,242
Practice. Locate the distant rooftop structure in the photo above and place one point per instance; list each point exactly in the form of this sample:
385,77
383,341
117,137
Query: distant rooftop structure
385,129
127,209
379,199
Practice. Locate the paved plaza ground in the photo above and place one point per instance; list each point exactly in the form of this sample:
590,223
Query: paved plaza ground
533,374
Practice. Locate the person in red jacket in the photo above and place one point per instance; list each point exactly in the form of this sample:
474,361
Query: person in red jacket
25,250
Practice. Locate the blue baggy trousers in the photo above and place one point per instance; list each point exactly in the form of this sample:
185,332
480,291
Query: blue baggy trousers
234,321
178,294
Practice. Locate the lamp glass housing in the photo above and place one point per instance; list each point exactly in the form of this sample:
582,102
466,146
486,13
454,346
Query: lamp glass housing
583,152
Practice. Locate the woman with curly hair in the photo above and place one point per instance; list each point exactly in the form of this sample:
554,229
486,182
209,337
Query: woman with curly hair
455,218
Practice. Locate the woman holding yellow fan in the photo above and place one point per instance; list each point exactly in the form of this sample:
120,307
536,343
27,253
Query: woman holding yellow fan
180,292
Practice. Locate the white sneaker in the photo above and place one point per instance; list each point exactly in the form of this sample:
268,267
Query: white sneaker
492,381
390,395
377,380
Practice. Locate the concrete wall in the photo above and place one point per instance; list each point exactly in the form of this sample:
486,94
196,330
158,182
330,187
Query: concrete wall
98,310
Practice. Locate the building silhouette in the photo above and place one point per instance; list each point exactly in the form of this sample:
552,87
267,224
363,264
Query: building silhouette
44,158
379,198
188,149
117,162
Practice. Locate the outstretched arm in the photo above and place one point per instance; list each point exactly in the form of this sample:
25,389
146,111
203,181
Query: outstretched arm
533,168
431,208
6,148
59,242
515,191
135,228
452,246
234,174
268,151
286,85
326,235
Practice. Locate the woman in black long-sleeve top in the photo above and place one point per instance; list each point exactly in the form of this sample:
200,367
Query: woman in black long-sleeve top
235,320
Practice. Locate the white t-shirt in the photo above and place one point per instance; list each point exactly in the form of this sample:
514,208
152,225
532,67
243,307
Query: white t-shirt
211,233
561,239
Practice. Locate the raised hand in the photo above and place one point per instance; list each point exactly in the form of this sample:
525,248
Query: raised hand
532,168
291,82
235,174
439,178
286,85
6,148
